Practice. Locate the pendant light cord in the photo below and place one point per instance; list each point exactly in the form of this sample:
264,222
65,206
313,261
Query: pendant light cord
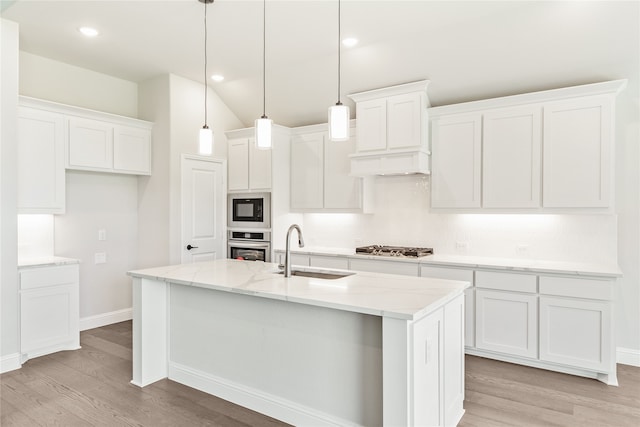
264,59
339,35
205,64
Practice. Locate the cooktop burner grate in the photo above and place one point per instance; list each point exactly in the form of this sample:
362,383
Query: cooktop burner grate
398,251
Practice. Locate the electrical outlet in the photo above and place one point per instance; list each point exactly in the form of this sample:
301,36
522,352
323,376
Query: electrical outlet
462,246
522,249
102,234
100,258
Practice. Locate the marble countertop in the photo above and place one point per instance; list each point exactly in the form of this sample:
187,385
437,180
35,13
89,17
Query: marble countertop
45,261
400,297
468,261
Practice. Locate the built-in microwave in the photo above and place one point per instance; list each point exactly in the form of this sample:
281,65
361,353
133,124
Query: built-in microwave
249,210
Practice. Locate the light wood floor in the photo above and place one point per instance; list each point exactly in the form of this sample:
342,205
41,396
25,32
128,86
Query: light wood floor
90,387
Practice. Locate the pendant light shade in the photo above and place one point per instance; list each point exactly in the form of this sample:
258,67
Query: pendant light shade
339,122
205,144
263,124
339,114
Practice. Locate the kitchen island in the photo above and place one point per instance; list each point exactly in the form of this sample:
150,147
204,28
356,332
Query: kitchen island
364,349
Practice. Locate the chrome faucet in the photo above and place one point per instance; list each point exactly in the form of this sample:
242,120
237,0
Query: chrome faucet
287,254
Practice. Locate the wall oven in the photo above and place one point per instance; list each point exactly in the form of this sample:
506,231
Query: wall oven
249,245
249,210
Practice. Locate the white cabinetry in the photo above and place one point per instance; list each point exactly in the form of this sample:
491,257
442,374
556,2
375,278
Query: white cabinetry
568,305
456,161
578,135
495,153
106,146
506,321
511,145
249,167
41,176
322,261
320,178
469,295
392,130
49,310
384,266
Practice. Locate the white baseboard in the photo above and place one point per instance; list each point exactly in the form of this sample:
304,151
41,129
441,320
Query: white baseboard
10,362
628,356
256,400
105,319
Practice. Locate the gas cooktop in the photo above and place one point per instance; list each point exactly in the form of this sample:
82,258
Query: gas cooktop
398,251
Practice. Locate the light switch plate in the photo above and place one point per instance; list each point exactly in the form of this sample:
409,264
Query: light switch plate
102,234
100,258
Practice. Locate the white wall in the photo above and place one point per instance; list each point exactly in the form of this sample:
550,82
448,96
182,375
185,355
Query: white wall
35,236
176,106
56,81
93,200
9,343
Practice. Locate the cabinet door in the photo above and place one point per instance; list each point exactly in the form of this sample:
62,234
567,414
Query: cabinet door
577,153
259,167
41,175
132,150
238,161
341,191
404,121
507,323
560,318
90,144
455,162
307,171
371,125
511,152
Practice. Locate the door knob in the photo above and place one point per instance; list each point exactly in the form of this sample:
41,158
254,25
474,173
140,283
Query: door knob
189,247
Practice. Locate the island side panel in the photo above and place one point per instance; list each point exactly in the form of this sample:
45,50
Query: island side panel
149,331
305,365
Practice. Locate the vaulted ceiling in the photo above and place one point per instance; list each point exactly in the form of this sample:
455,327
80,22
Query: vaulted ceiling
468,49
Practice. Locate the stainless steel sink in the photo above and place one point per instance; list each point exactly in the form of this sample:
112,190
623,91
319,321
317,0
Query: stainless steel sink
319,274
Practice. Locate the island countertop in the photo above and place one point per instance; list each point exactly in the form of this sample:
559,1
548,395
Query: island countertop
385,295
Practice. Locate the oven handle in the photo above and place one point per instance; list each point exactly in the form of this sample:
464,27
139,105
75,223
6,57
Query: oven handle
249,244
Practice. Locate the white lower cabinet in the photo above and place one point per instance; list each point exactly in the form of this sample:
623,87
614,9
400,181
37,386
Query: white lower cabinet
506,322
49,310
329,262
384,266
469,296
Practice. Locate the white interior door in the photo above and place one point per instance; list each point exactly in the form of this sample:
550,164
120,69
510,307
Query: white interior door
203,209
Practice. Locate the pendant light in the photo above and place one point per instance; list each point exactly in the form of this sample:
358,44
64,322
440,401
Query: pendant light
263,124
205,146
339,114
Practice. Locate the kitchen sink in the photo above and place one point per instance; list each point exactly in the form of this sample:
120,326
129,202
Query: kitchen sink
319,274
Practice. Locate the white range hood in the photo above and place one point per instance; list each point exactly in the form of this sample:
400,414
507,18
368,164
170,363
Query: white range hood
392,131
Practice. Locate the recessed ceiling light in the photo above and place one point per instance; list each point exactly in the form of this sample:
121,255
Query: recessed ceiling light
350,41
217,77
88,31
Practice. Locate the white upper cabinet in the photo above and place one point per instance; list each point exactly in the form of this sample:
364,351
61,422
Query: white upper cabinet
320,179
249,168
132,150
542,150
90,144
41,177
392,129
456,174
511,150
578,137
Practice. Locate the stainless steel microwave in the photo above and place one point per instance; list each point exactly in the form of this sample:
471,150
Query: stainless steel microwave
249,210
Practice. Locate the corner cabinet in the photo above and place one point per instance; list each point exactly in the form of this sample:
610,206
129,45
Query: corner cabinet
49,309
320,179
542,150
41,176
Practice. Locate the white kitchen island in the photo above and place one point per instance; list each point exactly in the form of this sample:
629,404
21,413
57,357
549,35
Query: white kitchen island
366,349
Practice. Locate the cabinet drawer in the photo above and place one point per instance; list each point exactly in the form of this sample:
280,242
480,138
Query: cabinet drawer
382,266
48,276
506,281
329,262
447,273
576,287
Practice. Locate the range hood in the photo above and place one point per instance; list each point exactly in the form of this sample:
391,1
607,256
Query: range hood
392,131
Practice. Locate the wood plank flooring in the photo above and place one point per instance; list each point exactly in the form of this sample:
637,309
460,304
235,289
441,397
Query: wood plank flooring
90,387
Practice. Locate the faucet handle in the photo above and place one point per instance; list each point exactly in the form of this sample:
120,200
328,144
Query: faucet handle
280,266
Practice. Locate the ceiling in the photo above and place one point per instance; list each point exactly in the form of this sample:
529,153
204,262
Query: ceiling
468,49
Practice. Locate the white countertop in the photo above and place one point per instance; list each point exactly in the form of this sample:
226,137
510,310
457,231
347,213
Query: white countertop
523,265
401,297
45,261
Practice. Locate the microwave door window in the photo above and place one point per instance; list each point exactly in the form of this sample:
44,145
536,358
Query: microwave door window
244,210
